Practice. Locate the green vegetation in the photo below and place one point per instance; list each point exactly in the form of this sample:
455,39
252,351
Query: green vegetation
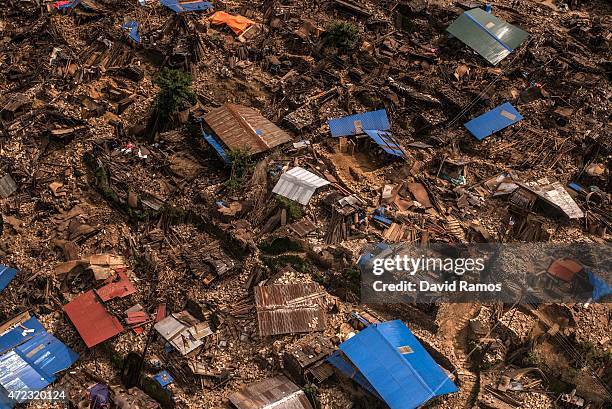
594,356
294,209
175,88
341,35
279,245
241,163
533,359
297,262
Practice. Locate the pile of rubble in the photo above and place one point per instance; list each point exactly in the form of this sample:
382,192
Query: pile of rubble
187,187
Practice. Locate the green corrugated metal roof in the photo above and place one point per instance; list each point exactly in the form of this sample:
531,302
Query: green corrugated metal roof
489,36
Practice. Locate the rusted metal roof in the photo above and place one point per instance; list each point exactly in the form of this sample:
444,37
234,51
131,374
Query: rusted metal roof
278,393
91,319
565,269
290,308
243,127
121,288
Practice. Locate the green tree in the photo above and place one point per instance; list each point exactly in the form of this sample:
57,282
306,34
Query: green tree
175,88
341,35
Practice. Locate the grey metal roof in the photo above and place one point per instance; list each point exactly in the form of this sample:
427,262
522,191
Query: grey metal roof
243,127
556,194
290,308
178,334
298,184
7,186
273,393
492,38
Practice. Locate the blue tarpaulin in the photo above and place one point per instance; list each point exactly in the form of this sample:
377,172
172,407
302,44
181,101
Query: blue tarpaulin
395,365
490,122
387,142
132,26
179,7
601,289
358,123
214,143
30,359
6,276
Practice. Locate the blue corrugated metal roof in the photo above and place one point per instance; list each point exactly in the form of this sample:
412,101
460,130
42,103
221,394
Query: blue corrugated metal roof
6,276
358,123
33,358
179,7
396,365
386,141
22,332
133,27
490,122
214,143
18,373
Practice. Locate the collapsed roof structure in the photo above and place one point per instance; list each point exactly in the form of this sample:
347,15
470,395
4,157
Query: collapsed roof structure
492,38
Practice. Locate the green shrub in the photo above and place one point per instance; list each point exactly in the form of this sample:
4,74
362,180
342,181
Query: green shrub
175,88
241,163
294,209
341,35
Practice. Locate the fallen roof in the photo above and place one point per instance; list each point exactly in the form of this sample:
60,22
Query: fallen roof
132,26
121,288
358,123
212,141
393,364
6,275
91,319
186,6
495,120
299,185
278,393
564,269
7,186
180,330
290,308
33,358
556,195
241,127
492,38
387,142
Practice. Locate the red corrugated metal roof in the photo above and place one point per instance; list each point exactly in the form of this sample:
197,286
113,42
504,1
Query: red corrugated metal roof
121,288
564,269
91,319
243,127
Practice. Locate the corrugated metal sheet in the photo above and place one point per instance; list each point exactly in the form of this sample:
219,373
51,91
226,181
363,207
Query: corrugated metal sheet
290,308
298,184
18,373
121,288
34,358
217,147
495,120
6,276
278,393
178,334
395,364
187,6
554,194
358,123
387,142
91,319
17,330
7,186
242,127
492,38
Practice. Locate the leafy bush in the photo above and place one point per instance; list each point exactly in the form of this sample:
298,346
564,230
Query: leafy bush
341,35
294,209
241,162
175,88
